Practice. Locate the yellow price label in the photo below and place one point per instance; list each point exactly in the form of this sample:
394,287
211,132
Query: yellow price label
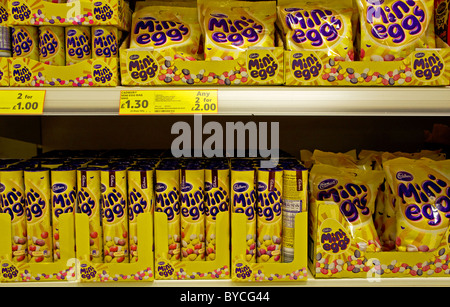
168,102
23,102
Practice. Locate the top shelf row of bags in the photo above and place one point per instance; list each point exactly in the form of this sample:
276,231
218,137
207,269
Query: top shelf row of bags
292,42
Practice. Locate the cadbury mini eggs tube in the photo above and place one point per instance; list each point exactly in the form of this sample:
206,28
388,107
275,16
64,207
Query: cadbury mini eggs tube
78,44
217,196
52,45
89,203
39,214
243,200
269,214
115,214
105,41
12,200
167,192
25,42
422,194
141,199
64,198
192,213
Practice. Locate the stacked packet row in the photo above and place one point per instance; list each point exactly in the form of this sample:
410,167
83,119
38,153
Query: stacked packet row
270,198
390,201
192,192
380,30
111,191
63,46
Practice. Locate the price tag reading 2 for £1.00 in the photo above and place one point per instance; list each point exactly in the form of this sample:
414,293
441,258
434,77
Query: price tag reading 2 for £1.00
168,102
22,102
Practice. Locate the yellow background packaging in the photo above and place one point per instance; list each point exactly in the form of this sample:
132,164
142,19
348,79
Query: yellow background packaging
243,200
384,36
260,66
192,213
141,199
309,68
419,188
52,45
25,42
269,215
78,44
61,271
82,12
171,30
89,203
115,215
39,215
4,72
167,191
324,26
105,41
93,72
351,262
243,270
231,27
217,197
63,200
13,203
356,201
167,268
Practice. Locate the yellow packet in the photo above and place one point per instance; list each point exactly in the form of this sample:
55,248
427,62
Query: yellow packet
115,214
167,191
105,41
347,160
192,213
51,45
78,44
323,25
269,215
243,200
217,196
354,191
89,203
141,199
143,4
393,29
231,27
64,198
12,200
422,193
39,215
172,31
25,42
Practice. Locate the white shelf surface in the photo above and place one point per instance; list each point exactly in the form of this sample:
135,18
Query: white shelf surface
311,282
269,100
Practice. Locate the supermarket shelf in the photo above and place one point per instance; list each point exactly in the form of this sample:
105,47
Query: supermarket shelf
279,100
311,282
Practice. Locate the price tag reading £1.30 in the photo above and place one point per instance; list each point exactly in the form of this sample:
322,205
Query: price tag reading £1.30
24,102
147,102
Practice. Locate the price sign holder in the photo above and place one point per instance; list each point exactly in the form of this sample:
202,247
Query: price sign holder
151,102
22,102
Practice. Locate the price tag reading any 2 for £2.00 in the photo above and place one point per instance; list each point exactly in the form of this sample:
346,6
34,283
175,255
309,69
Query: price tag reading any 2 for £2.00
22,102
168,102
